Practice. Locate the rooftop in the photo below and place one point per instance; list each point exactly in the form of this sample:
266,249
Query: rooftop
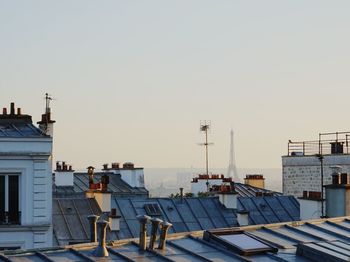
314,240
71,225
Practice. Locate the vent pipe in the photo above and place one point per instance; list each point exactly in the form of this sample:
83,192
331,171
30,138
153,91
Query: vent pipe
182,194
93,232
143,219
101,250
163,235
155,223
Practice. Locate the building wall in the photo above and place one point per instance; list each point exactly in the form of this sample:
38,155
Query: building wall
134,177
32,162
304,172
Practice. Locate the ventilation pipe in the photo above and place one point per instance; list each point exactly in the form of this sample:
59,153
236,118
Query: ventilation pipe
93,232
101,250
182,194
143,219
155,224
163,235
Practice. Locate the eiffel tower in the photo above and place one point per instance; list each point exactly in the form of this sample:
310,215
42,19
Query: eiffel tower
232,169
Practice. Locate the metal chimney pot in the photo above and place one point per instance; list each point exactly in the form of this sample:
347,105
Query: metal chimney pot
163,235
93,232
101,250
155,223
143,219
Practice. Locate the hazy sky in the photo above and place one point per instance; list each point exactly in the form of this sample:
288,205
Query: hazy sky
133,79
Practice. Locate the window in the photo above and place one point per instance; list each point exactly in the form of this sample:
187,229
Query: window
153,209
9,199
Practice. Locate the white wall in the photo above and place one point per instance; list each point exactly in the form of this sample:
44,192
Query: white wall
310,209
31,160
134,177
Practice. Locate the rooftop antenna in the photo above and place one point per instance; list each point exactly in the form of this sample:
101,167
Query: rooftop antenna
48,98
205,126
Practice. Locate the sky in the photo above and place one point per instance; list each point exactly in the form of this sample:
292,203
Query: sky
132,79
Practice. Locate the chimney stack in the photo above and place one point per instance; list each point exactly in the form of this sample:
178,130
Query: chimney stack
93,231
143,219
163,235
101,250
155,223
64,176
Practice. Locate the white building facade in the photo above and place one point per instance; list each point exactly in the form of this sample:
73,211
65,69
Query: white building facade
25,183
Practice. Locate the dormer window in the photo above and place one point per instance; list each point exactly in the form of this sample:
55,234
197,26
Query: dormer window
9,199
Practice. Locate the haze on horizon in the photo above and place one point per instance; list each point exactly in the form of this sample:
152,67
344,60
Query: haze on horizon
132,79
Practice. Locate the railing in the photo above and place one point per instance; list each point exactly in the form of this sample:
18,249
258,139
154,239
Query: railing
328,143
10,218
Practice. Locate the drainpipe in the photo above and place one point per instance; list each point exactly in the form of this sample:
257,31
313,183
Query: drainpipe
101,250
163,235
93,234
143,219
155,223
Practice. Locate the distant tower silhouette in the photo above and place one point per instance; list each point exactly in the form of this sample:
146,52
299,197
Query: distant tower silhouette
232,169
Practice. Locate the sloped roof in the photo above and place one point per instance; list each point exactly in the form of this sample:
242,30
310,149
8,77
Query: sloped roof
245,190
294,241
81,183
19,129
192,214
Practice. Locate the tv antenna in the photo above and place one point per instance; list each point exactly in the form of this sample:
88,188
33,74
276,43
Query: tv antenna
48,99
205,126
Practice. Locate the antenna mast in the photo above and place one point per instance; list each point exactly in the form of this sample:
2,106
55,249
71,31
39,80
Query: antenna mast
205,126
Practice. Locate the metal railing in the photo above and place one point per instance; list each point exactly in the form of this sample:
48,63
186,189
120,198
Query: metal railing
10,218
328,143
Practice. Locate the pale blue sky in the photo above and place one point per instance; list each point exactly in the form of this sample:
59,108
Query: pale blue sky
133,79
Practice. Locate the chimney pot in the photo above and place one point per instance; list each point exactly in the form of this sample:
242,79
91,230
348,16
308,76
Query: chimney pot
181,194
113,212
305,194
12,112
335,179
101,250
93,231
344,178
143,219
19,111
163,235
105,166
155,223
4,111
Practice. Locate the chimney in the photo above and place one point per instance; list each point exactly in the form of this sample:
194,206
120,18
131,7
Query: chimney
19,111
155,223
134,177
243,218
228,196
105,167
101,250
63,175
46,123
4,111
114,220
337,195
93,233
104,183
143,219
163,235
310,205
103,198
256,180
182,194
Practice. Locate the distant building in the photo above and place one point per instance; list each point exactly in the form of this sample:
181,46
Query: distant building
25,181
306,160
